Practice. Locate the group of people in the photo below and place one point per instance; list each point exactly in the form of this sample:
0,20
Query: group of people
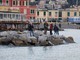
51,28
46,28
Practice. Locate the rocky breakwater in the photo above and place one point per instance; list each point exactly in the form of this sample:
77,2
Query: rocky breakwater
17,38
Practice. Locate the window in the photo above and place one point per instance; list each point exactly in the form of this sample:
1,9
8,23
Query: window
16,16
60,13
14,3
44,13
32,11
49,13
56,14
30,17
10,16
13,16
5,15
75,13
7,1
20,2
33,17
26,3
38,13
1,16
0,1
68,14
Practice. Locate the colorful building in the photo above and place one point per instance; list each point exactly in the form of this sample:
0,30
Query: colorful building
34,13
22,6
58,15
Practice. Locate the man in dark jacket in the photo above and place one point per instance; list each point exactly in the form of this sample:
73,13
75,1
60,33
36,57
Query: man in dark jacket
45,27
60,25
56,30
30,28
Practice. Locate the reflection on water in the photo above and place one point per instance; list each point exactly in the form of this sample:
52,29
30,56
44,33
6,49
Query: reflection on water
30,50
38,53
23,53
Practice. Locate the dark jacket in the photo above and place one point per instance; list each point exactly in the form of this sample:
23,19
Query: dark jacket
59,25
46,26
56,29
30,27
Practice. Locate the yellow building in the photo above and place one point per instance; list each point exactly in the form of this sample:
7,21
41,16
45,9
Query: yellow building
61,14
9,9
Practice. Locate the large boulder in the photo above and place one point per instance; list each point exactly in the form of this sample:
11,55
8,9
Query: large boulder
69,40
42,38
43,43
19,42
21,39
57,41
33,40
4,41
39,33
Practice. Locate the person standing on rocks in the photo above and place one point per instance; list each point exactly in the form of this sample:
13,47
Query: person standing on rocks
60,25
30,28
51,28
45,27
56,29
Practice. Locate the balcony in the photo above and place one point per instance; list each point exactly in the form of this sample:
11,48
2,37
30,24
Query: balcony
4,4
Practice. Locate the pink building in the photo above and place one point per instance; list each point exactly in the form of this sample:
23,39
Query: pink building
22,5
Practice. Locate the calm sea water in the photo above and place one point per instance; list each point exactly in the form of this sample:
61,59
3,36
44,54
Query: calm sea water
60,52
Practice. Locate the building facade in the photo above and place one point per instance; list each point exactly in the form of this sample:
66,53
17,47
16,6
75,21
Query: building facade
32,12
22,5
58,15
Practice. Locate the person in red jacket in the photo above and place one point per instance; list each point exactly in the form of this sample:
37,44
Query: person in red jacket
51,28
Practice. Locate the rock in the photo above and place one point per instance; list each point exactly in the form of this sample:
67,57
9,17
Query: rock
57,41
19,42
24,39
4,33
39,33
19,32
43,43
69,40
33,40
4,42
21,39
42,38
